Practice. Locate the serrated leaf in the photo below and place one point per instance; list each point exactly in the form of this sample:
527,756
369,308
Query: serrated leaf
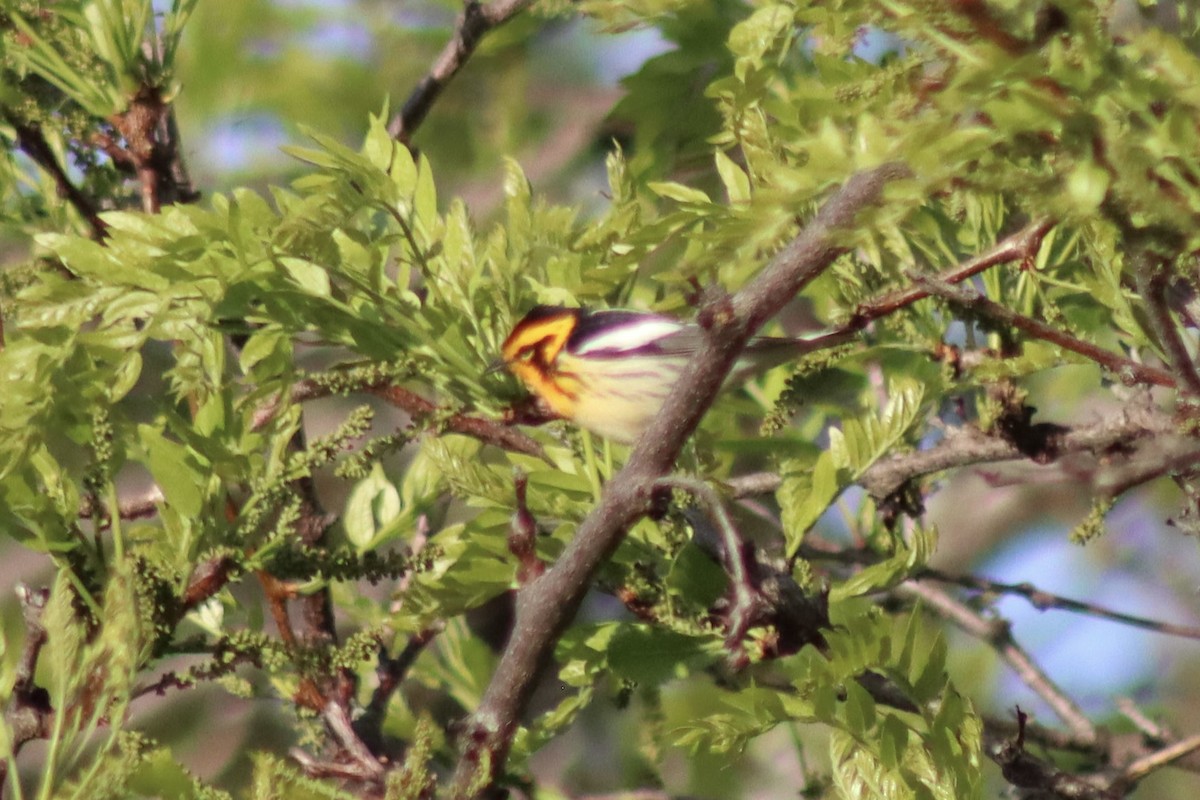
862,442
903,562
805,495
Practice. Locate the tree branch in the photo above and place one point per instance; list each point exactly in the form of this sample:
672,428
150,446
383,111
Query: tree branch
998,634
485,430
546,606
969,446
1021,245
33,143
1026,771
1143,766
475,21
1151,278
1127,370
27,713
1042,600
421,409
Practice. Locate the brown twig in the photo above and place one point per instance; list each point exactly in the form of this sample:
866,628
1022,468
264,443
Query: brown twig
135,508
1022,245
998,634
207,578
1143,766
391,671
1176,455
419,408
329,769
1026,771
522,535
746,601
485,430
1126,369
969,446
139,125
182,190
475,21
546,606
1038,598
316,609
1151,730
1043,600
338,722
301,391
225,661
1150,276
28,714
33,143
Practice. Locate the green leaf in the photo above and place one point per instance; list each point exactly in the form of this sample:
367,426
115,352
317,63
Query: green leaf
652,655
735,180
861,442
1087,185
906,559
804,495
178,470
309,276
695,577
678,192
373,505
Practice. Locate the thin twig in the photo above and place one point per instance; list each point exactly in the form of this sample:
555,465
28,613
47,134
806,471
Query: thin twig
1151,278
522,535
1038,598
475,21
746,602
1128,370
33,143
969,446
391,671
316,621
419,408
998,634
182,190
485,430
1042,600
1151,729
225,660
130,508
1021,245
339,725
1156,760
1026,771
207,578
1174,455
28,714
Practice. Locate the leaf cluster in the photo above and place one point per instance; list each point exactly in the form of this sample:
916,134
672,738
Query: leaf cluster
185,350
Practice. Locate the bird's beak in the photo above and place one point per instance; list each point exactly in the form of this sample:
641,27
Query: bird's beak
494,367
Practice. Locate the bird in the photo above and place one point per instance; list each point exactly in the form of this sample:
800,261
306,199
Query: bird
610,370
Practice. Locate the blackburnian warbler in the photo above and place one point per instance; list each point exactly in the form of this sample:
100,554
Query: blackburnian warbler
610,371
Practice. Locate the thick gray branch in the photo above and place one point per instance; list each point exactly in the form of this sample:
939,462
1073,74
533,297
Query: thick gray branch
547,605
